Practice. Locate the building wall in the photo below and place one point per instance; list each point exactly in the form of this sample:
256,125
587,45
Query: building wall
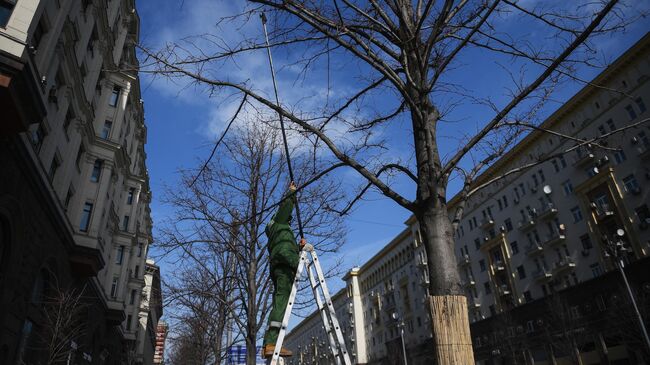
76,202
522,238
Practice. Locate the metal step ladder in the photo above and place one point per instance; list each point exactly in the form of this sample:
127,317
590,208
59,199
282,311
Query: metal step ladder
325,307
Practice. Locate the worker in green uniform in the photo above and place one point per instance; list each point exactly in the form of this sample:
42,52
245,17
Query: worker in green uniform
284,257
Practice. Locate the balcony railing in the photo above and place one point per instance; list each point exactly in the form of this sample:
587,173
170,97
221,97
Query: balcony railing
463,260
584,157
498,266
543,274
470,282
564,264
527,223
534,249
602,211
504,290
548,210
487,223
554,238
644,150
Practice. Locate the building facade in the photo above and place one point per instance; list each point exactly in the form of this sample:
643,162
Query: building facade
74,197
526,237
161,336
150,312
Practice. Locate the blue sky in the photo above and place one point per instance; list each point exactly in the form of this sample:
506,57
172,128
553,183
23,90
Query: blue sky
182,121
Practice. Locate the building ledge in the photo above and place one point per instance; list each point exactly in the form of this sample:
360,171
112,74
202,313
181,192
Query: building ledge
86,261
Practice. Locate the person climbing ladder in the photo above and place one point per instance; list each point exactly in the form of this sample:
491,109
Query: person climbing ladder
283,263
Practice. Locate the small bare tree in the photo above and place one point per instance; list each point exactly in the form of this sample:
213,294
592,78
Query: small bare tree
218,236
62,322
404,57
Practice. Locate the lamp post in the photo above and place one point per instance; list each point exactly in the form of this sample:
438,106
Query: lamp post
617,251
400,325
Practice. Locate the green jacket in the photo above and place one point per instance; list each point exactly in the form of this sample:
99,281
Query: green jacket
282,243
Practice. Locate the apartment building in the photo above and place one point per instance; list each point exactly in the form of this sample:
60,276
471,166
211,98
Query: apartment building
150,312
524,239
74,194
161,336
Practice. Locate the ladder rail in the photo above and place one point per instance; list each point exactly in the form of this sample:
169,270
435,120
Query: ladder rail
326,320
287,313
325,307
330,307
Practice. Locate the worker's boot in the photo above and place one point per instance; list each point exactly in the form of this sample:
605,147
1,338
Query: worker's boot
267,351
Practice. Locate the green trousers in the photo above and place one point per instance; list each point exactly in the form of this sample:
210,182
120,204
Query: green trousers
282,277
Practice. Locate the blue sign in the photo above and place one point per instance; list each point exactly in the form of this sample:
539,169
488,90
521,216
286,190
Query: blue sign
237,356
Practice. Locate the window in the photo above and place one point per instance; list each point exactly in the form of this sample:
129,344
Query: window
114,286
535,181
6,8
643,213
611,125
119,257
69,117
597,104
523,190
505,201
85,217
630,112
602,130
577,214
643,138
556,166
97,170
508,224
39,32
129,319
38,136
80,153
53,167
562,161
541,175
125,223
521,272
477,244
500,205
115,96
106,130
481,264
631,185
619,156
140,248
68,197
527,296
596,270
568,187
640,104
515,247
586,242
487,288
136,271
129,196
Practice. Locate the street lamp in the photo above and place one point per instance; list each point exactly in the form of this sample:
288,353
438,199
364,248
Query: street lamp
617,251
400,325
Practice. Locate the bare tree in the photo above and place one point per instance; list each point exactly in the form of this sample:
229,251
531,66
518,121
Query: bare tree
218,236
401,54
62,322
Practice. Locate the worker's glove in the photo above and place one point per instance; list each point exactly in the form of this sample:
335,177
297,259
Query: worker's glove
306,246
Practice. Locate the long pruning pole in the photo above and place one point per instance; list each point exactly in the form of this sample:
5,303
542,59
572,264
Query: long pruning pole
284,133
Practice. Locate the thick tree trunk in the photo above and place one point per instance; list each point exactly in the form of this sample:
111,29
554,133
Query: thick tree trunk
448,304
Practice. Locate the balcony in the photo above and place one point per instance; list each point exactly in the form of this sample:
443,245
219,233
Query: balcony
602,211
504,290
584,158
487,223
542,275
534,249
526,224
565,264
475,304
498,266
548,211
555,238
644,151
464,260
470,282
